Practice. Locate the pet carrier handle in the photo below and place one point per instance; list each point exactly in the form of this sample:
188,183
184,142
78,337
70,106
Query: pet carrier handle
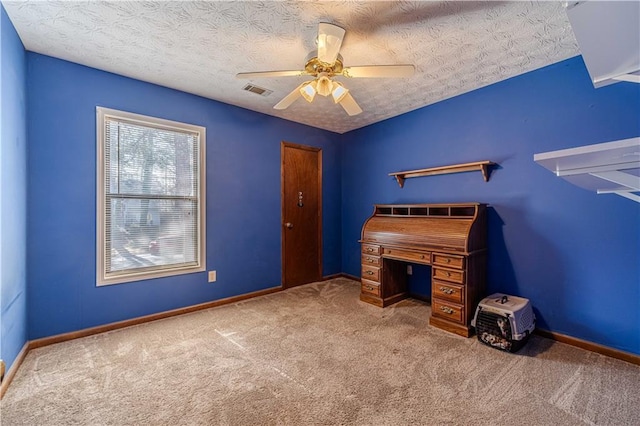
504,300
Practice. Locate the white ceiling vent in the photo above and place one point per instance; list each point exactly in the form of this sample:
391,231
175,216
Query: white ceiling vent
257,90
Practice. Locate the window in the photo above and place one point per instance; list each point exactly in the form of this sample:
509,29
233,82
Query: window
151,197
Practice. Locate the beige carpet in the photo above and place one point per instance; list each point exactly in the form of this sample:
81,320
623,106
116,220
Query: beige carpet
315,355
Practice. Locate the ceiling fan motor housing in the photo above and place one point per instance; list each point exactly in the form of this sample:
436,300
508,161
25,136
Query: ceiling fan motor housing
315,66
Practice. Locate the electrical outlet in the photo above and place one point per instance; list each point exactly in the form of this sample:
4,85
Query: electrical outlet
409,270
212,276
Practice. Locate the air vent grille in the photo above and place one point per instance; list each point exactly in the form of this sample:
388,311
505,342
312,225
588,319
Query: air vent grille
257,90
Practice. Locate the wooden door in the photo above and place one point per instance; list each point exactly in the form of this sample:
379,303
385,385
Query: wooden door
301,214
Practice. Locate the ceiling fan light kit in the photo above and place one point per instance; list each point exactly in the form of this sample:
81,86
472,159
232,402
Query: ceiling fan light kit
324,87
326,63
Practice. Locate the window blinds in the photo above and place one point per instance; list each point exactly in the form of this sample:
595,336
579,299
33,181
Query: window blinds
151,197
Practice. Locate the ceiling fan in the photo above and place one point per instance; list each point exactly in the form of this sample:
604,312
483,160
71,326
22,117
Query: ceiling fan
326,63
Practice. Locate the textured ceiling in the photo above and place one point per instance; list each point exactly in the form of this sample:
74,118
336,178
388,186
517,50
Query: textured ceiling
199,46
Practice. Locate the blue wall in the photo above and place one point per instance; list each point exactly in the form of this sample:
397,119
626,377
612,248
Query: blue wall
13,192
243,197
572,252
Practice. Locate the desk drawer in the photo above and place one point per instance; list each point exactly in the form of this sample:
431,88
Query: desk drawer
446,310
408,255
448,291
371,249
370,287
448,275
371,273
448,260
370,260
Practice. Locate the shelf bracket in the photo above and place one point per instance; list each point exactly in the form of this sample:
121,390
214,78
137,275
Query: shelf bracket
629,195
621,178
631,78
485,171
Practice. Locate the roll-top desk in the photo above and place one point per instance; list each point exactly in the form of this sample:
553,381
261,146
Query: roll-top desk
451,238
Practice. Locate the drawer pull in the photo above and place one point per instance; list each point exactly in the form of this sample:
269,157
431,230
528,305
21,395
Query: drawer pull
370,260
447,260
369,272
422,256
370,250
447,290
369,288
447,310
447,273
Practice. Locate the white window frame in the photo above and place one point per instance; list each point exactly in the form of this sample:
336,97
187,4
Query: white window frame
122,277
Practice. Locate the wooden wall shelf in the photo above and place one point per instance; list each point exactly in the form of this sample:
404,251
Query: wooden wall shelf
482,166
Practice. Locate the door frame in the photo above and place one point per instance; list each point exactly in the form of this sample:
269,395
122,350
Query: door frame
283,145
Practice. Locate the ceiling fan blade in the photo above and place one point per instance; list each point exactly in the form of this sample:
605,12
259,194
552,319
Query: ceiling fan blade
329,41
375,71
261,74
350,105
290,98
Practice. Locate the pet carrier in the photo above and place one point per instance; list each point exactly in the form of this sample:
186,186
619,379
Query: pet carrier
504,322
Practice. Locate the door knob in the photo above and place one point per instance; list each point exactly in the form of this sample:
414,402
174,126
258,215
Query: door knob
289,225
